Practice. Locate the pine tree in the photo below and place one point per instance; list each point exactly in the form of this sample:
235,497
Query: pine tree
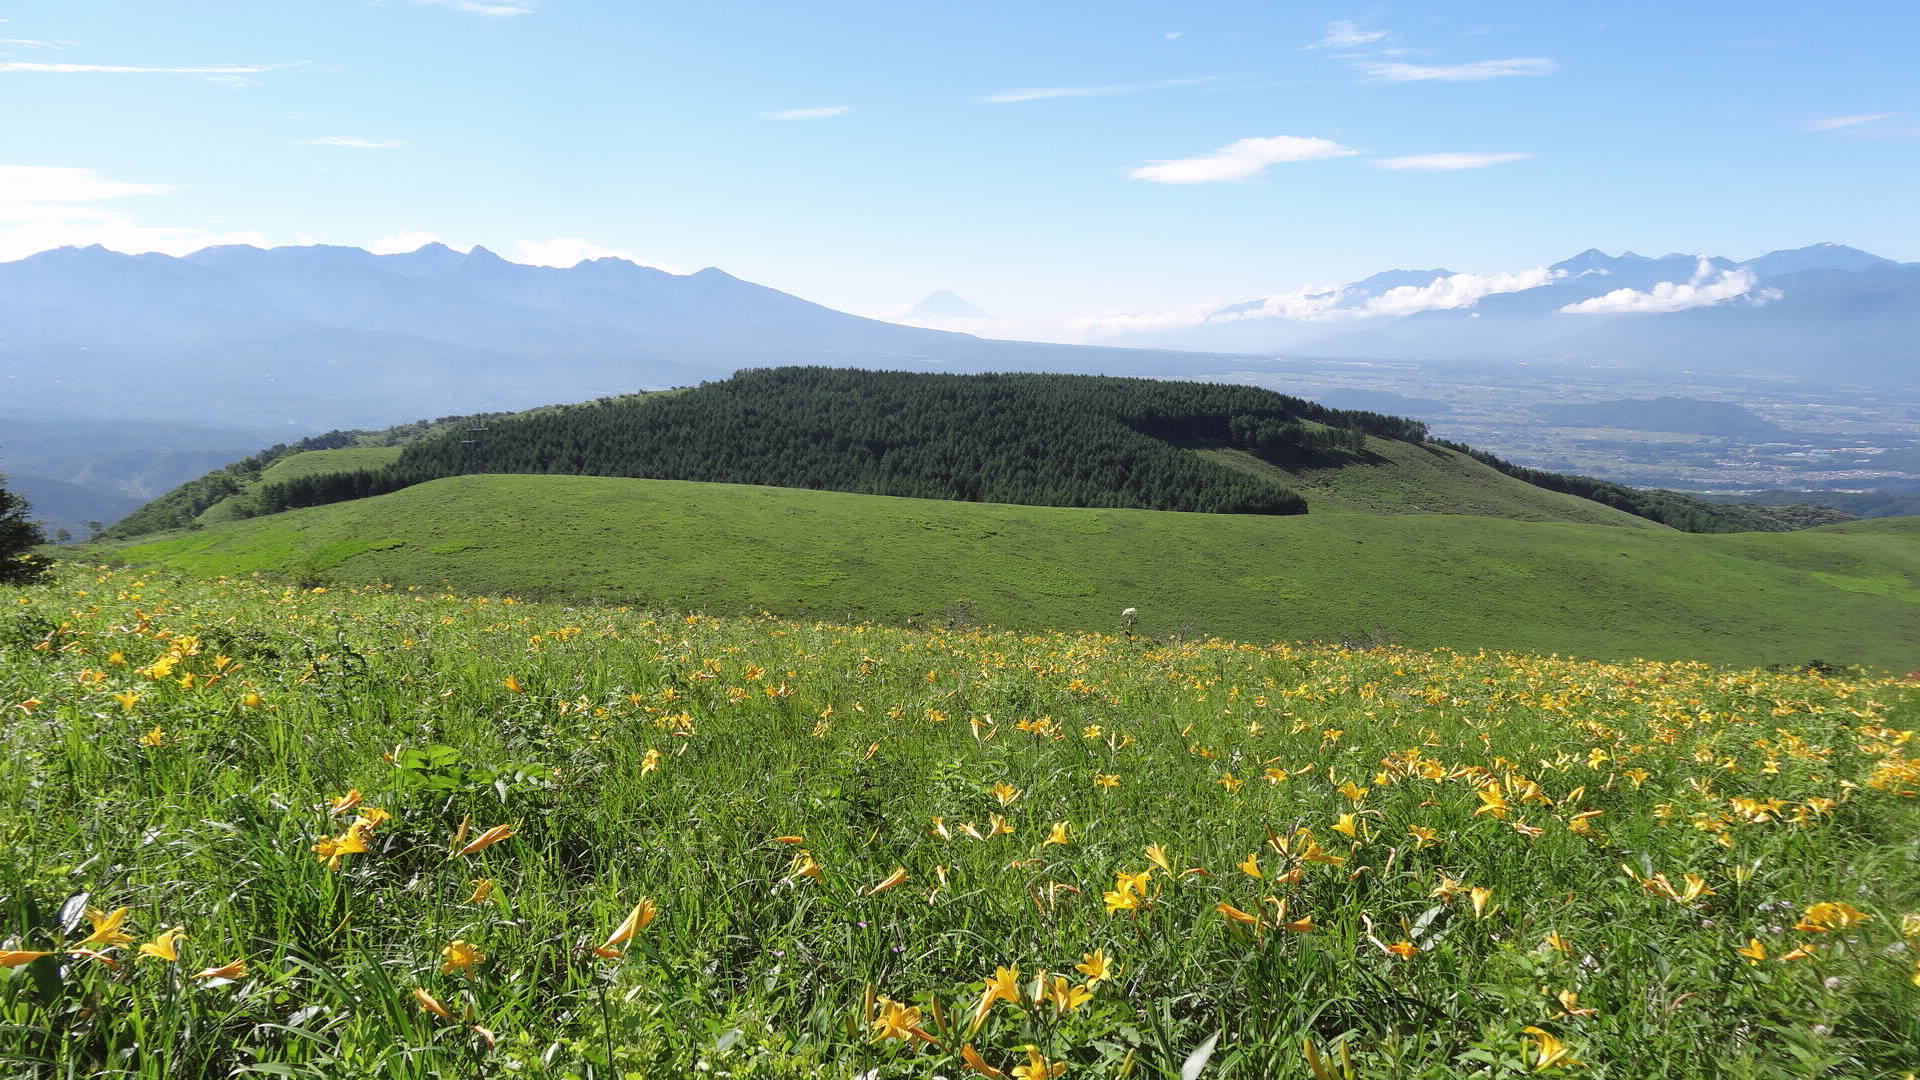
19,535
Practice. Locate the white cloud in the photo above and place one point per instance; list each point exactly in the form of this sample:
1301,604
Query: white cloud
1173,35
1474,72
491,8
1448,162
1344,34
1457,291
51,184
1835,123
824,112
1323,303
355,142
1241,160
45,207
1676,296
1042,93
27,67
29,43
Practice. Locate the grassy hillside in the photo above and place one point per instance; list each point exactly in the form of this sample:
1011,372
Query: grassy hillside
1396,477
1844,594
256,831
292,467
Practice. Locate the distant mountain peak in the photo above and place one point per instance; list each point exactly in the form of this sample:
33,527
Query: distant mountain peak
944,304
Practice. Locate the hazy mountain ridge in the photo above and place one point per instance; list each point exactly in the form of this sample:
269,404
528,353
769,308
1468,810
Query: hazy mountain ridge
1827,312
333,336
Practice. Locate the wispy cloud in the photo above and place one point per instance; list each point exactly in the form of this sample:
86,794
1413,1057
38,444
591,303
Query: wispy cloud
352,142
490,8
45,207
823,112
25,67
48,184
1241,160
1677,296
1448,162
1835,123
1345,34
1477,71
30,43
1041,93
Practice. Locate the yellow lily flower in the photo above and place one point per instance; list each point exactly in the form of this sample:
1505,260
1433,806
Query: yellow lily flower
12,958
1551,1051
486,840
461,956
234,970
166,946
898,877
637,920
106,929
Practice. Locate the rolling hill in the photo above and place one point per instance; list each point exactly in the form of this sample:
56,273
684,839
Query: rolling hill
1848,593
1046,440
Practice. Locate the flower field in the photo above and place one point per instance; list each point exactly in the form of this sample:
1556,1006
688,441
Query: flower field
250,829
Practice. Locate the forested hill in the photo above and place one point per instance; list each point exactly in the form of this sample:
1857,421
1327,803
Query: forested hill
1050,440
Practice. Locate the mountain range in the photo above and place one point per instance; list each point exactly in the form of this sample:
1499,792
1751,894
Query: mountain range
1827,313
238,341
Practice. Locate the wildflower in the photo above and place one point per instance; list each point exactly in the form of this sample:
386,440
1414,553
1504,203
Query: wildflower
1251,865
1570,1005
637,920
1002,985
1833,915
1065,996
1058,835
1000,826
332,849
1696,887
897,1021
1234,914
1301,925
1423,836
107,930
482,891
252,699
1006,793
513,684
1754,951
1275,775
898,877
1405,950
1492,802
792,839
1037,1067
156,737
1352,791
1096,967
1552,1051
461,956
344,803
1800,952
1446,890
1556,942
431,1004
486,840
1348,826
127,700
235,970
166,946
1157,855
1106,781
939,829
804,866
1480,896
649,761
978,1064
1231,783
1910,926
12,958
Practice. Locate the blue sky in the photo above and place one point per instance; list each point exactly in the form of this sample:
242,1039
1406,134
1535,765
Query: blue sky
1046,161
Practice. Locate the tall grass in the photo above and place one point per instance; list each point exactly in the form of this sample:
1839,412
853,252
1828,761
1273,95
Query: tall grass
1467,864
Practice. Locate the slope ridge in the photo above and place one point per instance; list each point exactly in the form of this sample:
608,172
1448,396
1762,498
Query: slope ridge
1426,580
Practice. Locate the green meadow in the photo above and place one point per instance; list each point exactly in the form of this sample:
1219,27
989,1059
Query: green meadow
253,829
1846,594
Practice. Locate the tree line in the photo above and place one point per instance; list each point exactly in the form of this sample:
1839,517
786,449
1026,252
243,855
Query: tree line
1050,440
